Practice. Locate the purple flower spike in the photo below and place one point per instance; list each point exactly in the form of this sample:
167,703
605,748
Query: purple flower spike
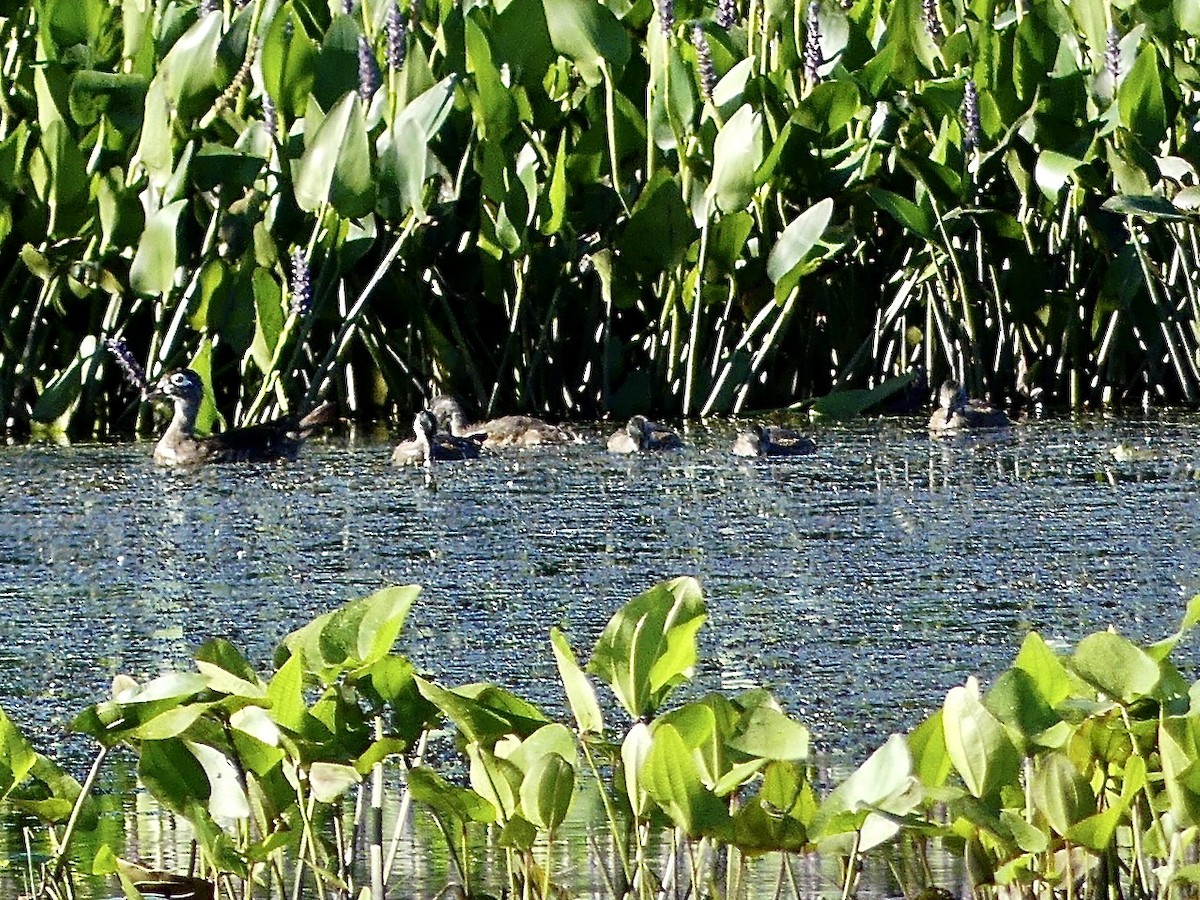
813,60
269,114
134,373
704,63
933,22
301,284
1112,53
368,74
666,14
726,13
395,37
970,114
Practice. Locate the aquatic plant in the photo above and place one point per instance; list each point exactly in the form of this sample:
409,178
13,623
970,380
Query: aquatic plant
543,210
1070,775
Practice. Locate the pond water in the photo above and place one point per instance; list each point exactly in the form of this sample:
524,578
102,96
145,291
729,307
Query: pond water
858,584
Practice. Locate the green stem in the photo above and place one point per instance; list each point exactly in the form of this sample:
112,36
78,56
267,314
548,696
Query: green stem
64,845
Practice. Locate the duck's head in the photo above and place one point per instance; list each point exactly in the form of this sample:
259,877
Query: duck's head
178,386
448,412
951,396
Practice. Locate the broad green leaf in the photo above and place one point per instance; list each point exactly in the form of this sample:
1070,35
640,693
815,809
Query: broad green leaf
1141,100
1144,207
495,779
1015,700
227,802
330,780
268,319
915,218
1049,675
580,694
173,775
649,646
549,739
546,791
1179,750
58,173
884,784
459,804
286,693
170,723
634,751
483,713
336,165
1061,793
737,154
980,749
660,228
927,747
189,70
1115,666
670,776
155,263
847,404
360,633
587,33
829,106
288,61
1053,172
767,733
60,397
779,815
495,110
404,158
798,239
17,756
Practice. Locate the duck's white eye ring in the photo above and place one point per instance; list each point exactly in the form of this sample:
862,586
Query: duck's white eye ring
179,378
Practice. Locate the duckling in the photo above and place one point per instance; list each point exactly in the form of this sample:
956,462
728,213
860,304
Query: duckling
504,431
956,412
771,440
642,434
179,446
429,445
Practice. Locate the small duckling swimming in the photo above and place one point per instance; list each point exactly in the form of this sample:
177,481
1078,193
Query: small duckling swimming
429,445
956,412
641,434
503,431
179,446
771,440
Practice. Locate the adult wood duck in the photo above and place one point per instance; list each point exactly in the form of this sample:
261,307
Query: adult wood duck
956,412
771,440
504,431
640,434
430,445
179,446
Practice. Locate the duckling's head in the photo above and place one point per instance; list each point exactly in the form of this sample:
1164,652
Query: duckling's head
179,386
425,425
952,397
636,428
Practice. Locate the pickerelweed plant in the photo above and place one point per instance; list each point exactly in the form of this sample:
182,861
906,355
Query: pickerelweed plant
578,206
1072,776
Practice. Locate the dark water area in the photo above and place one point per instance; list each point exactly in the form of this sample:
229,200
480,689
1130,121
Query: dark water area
858,584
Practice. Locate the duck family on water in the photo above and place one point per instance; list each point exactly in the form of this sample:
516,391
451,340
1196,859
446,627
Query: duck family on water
442,433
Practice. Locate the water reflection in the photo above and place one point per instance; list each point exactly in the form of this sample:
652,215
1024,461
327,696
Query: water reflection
858,584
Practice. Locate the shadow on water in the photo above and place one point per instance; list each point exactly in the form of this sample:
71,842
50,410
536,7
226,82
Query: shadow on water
858,584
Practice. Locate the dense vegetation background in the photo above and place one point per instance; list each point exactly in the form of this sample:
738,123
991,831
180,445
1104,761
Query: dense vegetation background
580,206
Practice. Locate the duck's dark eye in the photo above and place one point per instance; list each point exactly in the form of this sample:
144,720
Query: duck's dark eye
179,378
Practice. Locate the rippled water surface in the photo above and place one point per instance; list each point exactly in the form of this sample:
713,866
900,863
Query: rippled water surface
858,584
